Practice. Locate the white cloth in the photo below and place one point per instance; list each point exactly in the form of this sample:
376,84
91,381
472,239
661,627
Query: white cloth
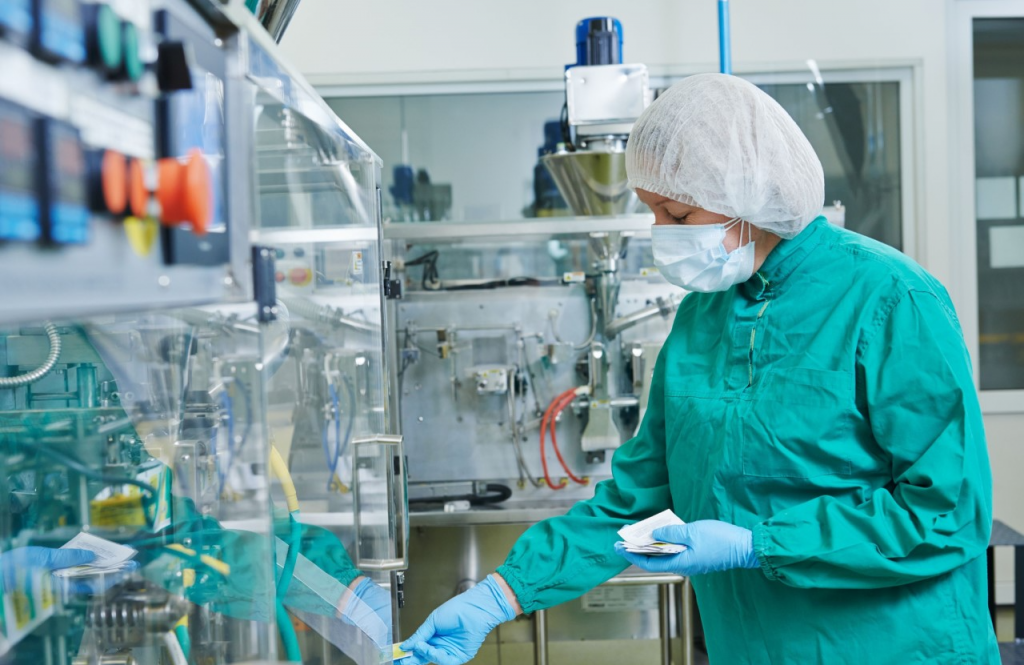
719,143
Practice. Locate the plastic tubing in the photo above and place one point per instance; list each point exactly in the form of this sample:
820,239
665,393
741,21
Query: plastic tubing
280,469
294,544
544,435
562,405
184,641
174,649
288,637
554,441
44,369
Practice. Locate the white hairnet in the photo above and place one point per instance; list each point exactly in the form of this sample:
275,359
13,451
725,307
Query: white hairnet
719,143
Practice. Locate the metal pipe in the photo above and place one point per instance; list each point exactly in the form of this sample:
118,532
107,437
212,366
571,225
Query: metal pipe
686,618
623,323
327,314
644,580
275,15
664,623
42,370
724,37
540,637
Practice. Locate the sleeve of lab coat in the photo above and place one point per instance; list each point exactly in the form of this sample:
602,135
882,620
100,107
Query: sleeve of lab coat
564,557
936,513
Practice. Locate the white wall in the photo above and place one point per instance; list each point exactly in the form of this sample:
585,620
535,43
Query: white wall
407,42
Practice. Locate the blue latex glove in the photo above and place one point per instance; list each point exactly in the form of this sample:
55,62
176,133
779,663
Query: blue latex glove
711,547
453,633
370,611
45,558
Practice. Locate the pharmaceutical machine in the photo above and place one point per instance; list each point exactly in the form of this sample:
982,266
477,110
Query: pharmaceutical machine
522,358
192,359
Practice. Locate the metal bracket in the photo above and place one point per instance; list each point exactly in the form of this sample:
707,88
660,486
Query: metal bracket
392,287
264,286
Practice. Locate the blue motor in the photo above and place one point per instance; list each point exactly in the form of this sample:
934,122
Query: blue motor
599,41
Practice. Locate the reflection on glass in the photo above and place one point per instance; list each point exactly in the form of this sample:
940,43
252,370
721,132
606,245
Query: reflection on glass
999,169
855,130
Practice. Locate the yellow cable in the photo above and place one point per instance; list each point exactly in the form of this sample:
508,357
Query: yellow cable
280,469
216,564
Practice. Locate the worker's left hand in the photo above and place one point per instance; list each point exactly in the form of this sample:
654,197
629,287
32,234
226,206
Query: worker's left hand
711,547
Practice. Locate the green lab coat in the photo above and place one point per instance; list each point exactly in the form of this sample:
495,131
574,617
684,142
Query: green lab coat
827,404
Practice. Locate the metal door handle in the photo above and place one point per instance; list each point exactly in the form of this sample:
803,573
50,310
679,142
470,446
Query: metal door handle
395,477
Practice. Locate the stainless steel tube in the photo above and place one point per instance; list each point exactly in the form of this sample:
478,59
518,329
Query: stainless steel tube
540,637
665,623
686,619
644,580
51,359
663,308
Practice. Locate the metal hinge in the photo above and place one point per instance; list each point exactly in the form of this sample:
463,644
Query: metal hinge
264,283
392,287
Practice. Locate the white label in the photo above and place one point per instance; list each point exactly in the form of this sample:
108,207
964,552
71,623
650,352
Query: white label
357,263
574,277
620,599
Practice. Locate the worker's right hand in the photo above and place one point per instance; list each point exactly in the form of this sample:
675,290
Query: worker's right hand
453,633
40,558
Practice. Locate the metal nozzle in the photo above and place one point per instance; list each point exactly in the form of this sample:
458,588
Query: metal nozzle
275,15
593,182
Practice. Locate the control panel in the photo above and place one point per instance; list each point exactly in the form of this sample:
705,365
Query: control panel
114,189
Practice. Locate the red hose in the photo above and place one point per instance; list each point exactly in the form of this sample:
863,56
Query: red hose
544,436
558,405
554,441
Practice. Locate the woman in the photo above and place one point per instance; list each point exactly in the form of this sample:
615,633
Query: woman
813,418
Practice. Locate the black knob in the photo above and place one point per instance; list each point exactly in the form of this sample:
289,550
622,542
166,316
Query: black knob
173,72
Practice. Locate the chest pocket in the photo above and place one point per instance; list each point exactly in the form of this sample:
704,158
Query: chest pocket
798,425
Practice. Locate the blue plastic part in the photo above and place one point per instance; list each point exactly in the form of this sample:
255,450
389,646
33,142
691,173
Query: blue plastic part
61,31
16,16
587,52
19,217
403,178
69,224
724,37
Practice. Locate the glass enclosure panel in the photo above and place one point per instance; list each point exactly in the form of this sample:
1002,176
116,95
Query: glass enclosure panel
855,130
326,408
326,395
474,157
140,436
999,186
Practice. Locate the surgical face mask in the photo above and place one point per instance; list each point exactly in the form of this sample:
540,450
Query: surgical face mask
694,257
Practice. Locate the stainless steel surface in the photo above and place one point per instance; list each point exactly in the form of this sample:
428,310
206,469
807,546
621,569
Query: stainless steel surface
343,234
599,97
638,225
640,579
452,433
510,512
395,505
665,623
664,308
593,182
686,630
275,15
540,637
445,560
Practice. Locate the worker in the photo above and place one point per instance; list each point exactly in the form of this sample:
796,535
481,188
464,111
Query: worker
813,418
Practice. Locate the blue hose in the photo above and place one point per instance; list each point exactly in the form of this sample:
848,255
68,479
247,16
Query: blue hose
288,637
181,632
724,37
294,544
